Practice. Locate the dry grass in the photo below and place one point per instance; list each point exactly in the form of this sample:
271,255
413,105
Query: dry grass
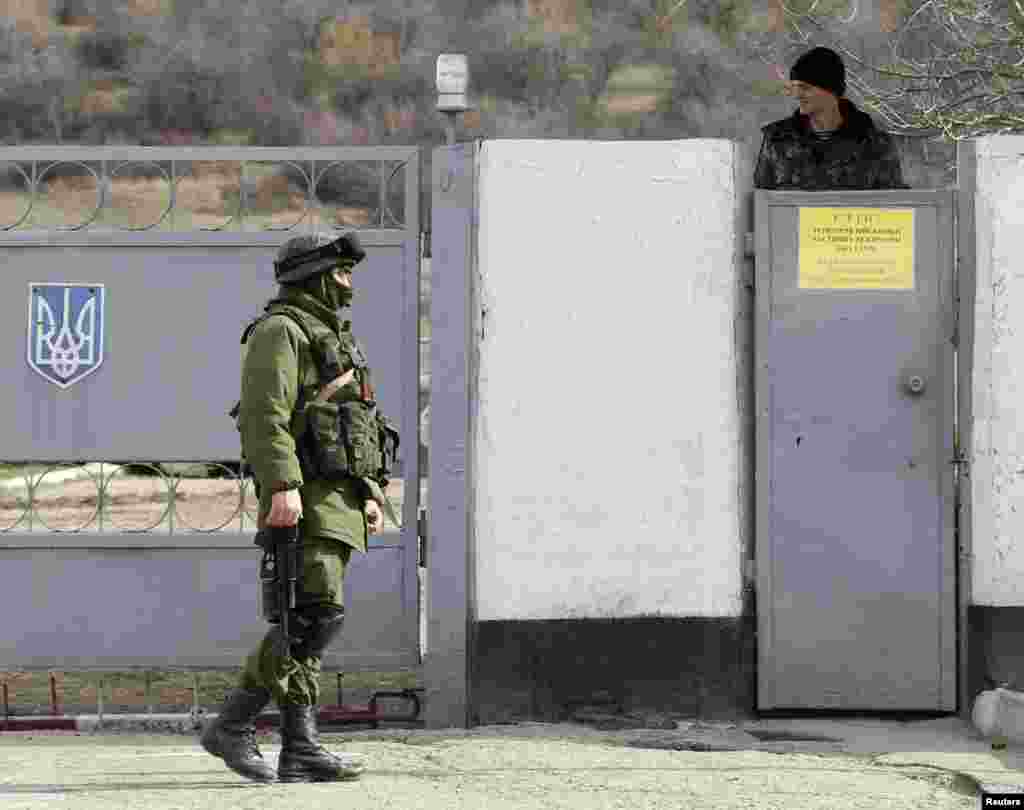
354,42
74,197
148,8
169,691
31,17
557,16
140,503
207,197
631,104
131,503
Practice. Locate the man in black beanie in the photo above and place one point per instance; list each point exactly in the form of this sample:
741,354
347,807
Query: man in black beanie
828,143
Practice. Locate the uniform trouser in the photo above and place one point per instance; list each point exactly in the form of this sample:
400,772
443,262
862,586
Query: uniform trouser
296,679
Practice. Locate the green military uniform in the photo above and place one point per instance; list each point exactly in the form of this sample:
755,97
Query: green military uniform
277,366
334,450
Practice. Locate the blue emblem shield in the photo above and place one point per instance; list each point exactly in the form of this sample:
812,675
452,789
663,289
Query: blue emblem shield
65,330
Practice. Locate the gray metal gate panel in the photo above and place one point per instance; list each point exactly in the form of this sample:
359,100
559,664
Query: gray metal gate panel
176,304
174,316
855,557
78,601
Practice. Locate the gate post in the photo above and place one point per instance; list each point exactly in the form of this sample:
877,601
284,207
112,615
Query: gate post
966,280
453,364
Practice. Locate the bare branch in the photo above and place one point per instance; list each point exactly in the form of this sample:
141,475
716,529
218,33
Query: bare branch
965,77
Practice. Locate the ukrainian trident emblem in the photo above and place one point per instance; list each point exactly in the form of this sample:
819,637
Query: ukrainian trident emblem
65,330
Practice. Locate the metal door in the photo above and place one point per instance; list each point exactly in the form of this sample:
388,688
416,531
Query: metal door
172,297
855,402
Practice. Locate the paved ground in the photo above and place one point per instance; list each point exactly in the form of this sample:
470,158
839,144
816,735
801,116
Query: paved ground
859,764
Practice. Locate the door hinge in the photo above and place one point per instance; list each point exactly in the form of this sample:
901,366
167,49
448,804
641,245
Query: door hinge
749,264
956,322
961,460
422,528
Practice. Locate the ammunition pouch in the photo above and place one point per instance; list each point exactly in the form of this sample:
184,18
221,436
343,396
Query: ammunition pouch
359,426
344,439
323,443
340,439
389,440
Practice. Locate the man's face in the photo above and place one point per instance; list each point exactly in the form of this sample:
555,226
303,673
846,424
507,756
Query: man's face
813,100
343,275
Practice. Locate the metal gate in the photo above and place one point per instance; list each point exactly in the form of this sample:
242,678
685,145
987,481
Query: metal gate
856,564
127,276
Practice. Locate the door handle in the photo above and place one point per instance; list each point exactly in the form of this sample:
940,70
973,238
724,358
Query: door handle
915,384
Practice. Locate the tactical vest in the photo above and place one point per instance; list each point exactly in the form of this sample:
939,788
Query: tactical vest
345,436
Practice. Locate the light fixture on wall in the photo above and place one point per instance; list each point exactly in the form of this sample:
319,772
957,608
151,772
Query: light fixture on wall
452,83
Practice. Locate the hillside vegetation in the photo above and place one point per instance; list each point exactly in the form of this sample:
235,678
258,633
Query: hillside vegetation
267,72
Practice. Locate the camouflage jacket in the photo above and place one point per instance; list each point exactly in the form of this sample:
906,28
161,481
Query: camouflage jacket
858,156
277,361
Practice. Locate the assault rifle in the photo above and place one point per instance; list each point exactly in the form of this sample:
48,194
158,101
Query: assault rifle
278,575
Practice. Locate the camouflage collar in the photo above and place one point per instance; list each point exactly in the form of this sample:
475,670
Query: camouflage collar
307,303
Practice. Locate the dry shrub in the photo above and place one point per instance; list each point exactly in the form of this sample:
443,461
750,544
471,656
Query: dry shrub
146,8
71,183
354,42
31,17
202,169
15,679
12,207
352,217
271,191
632,103
128,695
144,197
99,102
174,696
207,503
201,195
557,16
75,194
78,24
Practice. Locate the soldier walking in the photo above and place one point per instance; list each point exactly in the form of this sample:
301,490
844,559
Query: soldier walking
319,453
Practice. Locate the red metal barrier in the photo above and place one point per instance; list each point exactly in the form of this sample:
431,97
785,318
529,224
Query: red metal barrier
39,724
345,713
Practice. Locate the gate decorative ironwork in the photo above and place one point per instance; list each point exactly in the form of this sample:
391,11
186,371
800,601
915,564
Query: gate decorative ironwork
127,542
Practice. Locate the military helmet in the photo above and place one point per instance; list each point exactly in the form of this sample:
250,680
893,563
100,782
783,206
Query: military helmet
306,255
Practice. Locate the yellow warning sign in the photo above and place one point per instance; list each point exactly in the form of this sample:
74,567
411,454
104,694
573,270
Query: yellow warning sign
856,249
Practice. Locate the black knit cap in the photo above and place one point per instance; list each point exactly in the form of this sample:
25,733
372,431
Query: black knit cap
823,68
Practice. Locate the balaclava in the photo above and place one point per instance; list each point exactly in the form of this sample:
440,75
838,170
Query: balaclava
326,290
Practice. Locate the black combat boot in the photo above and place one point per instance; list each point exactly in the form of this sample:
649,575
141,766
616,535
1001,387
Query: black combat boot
302,758
232,734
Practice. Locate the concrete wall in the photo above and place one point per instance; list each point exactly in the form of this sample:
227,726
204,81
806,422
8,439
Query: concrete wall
607,498
608,442
997,460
